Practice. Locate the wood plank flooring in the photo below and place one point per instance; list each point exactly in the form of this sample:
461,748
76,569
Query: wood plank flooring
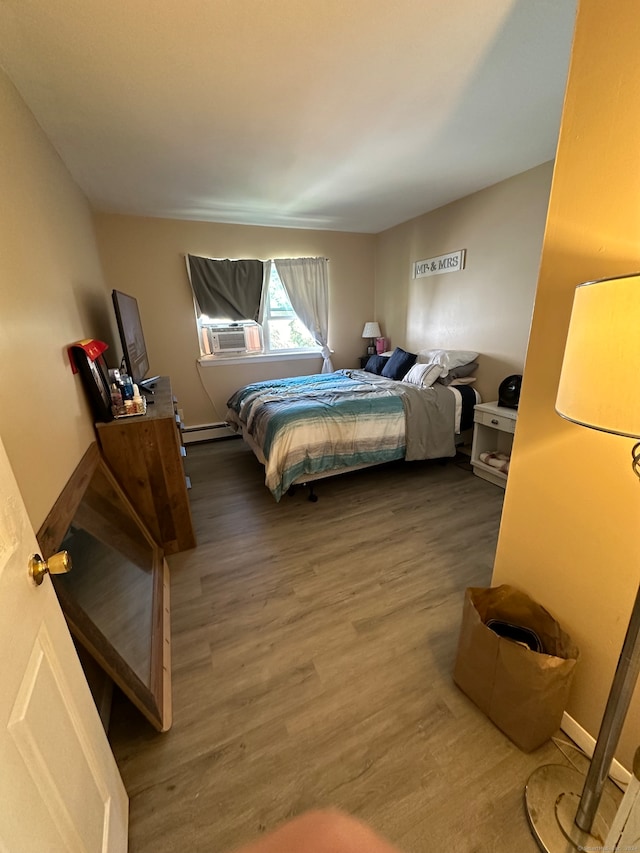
313,645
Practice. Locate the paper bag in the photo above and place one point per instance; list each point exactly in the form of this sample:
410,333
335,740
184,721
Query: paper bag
522,691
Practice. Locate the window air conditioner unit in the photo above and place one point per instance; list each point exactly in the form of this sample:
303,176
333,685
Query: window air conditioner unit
234,339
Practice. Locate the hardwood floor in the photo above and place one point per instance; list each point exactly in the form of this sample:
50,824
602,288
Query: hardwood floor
313,646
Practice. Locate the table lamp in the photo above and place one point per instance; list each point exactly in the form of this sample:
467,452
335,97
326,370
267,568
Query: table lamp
371,330
566,810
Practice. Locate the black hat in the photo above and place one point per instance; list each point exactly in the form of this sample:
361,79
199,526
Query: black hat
509,392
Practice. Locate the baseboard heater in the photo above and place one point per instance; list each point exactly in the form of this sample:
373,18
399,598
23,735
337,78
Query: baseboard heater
206,432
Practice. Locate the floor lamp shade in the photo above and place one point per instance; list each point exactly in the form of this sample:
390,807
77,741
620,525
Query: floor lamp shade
601,354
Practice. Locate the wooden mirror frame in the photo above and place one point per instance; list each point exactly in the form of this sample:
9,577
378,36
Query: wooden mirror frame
152,699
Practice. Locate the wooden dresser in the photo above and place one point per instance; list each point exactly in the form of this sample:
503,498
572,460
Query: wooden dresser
146,454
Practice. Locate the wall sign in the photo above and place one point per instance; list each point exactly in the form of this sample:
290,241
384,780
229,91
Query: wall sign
452,262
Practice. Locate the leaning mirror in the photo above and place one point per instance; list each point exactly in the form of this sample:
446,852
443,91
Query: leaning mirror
116,596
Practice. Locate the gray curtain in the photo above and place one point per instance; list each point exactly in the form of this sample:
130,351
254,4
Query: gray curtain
226,288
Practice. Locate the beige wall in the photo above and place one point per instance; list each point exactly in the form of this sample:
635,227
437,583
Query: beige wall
569,532
55,293
145,257
52,294
487,306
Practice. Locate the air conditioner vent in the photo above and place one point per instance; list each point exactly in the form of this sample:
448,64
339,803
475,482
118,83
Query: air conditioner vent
220,340
229,340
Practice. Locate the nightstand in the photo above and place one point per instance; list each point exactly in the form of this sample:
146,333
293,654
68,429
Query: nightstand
363,361
493,430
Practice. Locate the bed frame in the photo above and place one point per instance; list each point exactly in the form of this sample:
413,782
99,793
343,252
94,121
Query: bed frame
309,479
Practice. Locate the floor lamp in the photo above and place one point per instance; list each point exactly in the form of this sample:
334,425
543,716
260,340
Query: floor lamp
566,810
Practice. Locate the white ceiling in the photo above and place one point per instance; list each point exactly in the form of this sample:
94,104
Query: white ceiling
350,115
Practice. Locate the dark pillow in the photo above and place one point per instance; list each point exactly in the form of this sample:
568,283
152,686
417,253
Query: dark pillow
376,363
399,363
459,372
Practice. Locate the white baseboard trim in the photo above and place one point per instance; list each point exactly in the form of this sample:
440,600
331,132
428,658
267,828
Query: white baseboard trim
581,737
206,432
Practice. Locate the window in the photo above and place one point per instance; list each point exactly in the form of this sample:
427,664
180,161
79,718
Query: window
282,330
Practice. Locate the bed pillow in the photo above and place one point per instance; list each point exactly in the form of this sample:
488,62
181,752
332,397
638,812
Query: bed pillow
464,380
448,358
459,372
423,375
376,363
399,364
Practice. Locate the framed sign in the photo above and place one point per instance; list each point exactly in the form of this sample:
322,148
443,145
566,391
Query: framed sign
451,262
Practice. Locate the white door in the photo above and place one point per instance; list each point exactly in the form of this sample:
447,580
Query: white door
60,790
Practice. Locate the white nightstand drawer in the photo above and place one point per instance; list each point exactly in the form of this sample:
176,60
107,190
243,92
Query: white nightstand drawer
504,423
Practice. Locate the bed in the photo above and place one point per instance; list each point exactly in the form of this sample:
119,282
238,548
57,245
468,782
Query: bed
309,427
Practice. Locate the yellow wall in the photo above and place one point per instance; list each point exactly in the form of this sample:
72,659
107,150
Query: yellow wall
51,294
487,306
569,533
145,257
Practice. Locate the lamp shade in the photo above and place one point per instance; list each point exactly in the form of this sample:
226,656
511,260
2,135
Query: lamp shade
371,330
597,386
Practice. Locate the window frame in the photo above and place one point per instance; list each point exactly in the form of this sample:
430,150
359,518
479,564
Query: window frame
266,351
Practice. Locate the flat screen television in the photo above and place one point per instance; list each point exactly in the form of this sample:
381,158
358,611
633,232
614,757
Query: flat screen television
132,338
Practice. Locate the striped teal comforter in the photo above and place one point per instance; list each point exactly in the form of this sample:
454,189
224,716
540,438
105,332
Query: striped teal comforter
309,425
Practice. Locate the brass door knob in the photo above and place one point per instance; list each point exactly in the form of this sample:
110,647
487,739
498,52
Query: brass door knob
57,564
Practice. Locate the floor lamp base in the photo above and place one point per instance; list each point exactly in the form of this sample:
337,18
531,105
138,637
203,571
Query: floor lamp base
551,797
